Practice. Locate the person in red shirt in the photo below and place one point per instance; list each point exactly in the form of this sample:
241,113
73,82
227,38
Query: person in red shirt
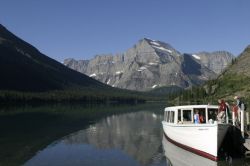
222,105
235,109
201,118
222,109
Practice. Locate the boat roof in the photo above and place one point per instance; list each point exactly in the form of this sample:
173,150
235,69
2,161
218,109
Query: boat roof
191,106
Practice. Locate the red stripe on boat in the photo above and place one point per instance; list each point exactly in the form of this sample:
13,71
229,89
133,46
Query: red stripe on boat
196,151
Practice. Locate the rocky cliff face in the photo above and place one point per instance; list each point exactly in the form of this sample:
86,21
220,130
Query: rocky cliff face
147,65
215,61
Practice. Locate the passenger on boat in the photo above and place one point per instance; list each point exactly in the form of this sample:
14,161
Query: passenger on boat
222,108
238,102
240,105
212,115
236,114
228,112
201,118
196,117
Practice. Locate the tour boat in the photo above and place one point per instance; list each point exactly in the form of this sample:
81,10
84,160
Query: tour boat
204,138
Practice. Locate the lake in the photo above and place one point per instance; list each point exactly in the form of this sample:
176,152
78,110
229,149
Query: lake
91,135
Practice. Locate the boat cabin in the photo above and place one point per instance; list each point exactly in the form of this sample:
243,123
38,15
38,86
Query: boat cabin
185,114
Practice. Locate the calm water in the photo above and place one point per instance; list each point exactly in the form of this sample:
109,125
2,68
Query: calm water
126,139
133,137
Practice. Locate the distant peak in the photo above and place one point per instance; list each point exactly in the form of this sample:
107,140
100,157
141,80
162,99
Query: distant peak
246,50
248,47
152,42
221,52
160,46
215,52
148,39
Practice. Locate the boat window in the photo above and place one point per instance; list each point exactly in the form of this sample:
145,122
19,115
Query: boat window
202,114
172,117
187,115
168,116
179,115
212,113
165,115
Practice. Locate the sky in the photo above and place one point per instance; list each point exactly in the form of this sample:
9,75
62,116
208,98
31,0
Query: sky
81,29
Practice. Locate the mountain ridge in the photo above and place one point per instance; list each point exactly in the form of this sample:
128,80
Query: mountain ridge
150,64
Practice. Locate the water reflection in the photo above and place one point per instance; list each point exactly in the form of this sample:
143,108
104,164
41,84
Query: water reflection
132,139
126,139
177,156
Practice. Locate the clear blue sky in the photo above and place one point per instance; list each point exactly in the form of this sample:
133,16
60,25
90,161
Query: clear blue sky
83,28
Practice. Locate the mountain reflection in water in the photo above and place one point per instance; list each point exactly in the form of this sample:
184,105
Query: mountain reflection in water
129,139
126,139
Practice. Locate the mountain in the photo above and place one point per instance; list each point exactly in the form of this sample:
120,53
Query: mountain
241,65
215,61
24,68
152,64
235,80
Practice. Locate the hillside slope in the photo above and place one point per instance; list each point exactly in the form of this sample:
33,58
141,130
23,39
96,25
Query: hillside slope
241,66
236,79
24,68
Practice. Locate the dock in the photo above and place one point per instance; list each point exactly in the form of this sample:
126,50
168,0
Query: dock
239,134
247,146
247,143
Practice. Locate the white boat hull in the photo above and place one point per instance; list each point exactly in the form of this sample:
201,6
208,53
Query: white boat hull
202,139
178,156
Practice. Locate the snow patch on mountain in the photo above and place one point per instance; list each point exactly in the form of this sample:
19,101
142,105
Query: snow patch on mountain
154,86
196,57
118,72
92,75
163,49
155,43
